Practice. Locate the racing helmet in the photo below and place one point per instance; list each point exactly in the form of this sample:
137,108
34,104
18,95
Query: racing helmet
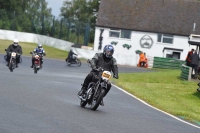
108,50
15,42
39,46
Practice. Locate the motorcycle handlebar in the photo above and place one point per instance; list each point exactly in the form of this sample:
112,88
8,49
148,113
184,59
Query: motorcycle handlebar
15,52
33,53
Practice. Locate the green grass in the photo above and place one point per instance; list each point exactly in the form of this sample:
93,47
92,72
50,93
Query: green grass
51,52
164,90
29,47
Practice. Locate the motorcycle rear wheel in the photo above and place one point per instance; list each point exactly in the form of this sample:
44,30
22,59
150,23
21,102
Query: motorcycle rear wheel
78,62
95,103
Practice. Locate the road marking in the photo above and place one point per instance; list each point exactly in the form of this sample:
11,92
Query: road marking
156,108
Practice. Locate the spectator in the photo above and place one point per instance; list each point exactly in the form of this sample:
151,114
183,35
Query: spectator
188,61
194,62
143,60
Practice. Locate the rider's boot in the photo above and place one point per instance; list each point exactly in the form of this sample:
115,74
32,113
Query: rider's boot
102,103
83,90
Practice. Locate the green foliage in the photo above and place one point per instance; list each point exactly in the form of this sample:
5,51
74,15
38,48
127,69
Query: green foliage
82,10
33,16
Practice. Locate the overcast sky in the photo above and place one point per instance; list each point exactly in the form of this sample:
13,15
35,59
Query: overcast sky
55,6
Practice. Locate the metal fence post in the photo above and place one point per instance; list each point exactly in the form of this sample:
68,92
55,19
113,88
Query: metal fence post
13,25
53,27
60,35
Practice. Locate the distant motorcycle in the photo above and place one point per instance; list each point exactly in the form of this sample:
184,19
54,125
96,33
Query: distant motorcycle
5,57
37,62
96,90
75,61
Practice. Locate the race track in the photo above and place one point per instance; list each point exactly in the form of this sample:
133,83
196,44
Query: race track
47,102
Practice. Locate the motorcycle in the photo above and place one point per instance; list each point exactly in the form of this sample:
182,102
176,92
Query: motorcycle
96,90
37,61
5,57
12,62
75,61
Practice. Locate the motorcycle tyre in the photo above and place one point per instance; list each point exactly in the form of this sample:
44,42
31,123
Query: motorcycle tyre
78,62
101,95
35,69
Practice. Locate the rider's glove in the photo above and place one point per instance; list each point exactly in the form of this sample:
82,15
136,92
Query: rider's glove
115,76
93,67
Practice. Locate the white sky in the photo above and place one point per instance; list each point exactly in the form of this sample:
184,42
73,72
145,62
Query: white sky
55,6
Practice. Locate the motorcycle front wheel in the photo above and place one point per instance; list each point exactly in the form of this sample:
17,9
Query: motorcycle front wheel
11,66
97,99
35,69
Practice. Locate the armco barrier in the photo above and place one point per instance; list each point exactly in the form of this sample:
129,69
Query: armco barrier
167,63
186,72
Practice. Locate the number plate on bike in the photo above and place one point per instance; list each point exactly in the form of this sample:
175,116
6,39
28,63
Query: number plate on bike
13,54
106,74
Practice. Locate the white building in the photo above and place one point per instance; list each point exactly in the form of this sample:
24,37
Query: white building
157,27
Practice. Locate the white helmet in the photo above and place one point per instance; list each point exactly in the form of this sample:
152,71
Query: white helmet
39,46
15,42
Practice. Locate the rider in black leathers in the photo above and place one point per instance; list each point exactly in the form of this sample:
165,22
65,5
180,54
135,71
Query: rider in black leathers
15,47
104,60
70,56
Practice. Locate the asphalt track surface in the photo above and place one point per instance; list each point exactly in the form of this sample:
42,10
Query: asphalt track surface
47,102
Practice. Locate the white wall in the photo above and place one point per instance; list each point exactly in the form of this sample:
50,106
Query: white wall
129,57
35,38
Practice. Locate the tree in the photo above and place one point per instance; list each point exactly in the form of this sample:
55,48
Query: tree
81,11
21,15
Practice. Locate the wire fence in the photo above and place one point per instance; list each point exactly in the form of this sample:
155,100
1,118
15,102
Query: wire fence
57,27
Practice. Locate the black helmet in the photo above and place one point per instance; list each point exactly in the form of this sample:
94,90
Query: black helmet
108,51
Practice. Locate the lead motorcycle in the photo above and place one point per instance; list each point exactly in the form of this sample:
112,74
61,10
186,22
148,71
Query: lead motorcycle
5,57
96,90
12,62
37,61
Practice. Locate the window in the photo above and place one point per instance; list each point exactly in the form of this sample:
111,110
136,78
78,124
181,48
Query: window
175,55
120,33
165,38
114,33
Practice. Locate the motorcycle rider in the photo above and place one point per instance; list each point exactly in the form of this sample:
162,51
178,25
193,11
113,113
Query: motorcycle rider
15,47
38,50
104,60
70,56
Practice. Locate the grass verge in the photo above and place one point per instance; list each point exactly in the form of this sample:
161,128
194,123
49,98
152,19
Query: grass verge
29,47
165,90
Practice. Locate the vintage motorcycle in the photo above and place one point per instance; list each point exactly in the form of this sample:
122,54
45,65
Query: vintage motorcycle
75,61
12,62
37,61
5,57
96,89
